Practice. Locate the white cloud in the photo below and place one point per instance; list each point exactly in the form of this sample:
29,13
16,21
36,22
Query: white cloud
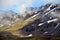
9,2
21,8
49,1
21,4
27,3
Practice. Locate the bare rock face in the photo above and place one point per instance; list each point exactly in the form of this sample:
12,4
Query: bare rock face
48,27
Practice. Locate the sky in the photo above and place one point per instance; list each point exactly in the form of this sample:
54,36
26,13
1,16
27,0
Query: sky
20,5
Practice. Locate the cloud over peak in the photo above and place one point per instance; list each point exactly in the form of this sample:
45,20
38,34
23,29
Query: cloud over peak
21,4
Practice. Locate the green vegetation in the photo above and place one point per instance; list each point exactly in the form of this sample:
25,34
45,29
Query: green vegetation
31,38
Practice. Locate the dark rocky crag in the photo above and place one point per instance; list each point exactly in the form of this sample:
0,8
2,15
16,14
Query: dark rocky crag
52,28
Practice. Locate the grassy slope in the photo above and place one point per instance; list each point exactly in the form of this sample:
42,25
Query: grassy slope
20,24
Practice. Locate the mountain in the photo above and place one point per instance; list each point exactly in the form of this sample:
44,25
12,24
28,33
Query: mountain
44,20
7,17
47,24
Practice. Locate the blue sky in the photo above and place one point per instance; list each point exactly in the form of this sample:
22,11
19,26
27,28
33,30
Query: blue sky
20,5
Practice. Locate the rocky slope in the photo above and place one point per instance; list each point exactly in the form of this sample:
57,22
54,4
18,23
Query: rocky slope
47,24
44,20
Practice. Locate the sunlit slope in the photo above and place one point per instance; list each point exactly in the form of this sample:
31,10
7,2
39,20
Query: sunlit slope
19,25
